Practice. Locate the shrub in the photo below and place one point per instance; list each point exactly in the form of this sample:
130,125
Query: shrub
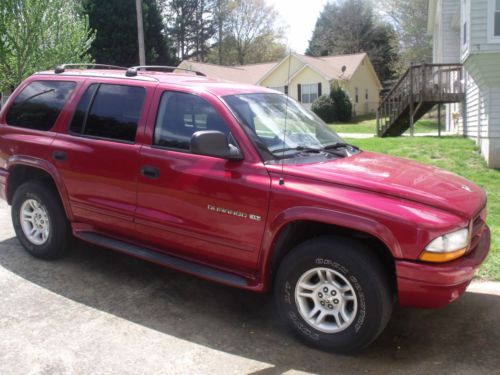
342,104
324,107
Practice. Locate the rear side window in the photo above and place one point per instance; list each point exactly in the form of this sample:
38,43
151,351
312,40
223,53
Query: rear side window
109,111
180,115
38,105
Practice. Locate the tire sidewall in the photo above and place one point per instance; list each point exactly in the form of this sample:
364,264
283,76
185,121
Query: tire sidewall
56,241
366,324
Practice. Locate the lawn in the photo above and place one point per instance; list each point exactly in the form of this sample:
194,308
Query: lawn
370,127
460,156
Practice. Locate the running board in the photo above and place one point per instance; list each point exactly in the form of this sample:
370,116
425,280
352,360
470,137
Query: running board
164,260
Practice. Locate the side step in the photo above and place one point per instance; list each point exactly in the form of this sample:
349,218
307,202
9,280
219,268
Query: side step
164,260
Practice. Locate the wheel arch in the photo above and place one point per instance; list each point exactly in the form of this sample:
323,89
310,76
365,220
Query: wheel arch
314,222
23,169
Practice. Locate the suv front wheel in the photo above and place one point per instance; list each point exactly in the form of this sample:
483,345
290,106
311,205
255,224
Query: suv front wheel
334,294
39,220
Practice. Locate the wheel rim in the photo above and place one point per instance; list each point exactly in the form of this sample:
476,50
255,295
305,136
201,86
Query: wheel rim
35,221
326,300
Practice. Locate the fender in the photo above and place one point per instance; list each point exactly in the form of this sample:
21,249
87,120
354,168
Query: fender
326,216
47,167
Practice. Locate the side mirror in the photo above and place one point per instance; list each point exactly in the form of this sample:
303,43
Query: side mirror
214,143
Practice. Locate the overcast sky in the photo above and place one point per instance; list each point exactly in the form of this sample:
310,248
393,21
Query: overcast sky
300,17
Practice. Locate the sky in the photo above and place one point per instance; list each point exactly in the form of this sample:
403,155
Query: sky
300,17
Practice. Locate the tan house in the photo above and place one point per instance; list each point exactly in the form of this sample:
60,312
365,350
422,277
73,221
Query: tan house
305,78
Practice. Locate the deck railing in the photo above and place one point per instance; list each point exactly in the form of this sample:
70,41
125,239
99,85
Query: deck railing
431,83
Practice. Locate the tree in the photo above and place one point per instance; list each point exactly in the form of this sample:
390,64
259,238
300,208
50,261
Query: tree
191,25
116,32
349,26
251,27
410,20
38,35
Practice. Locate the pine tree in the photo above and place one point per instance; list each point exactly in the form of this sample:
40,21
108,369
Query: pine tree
350,27
116,42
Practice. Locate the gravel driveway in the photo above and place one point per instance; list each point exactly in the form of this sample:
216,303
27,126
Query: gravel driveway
104,313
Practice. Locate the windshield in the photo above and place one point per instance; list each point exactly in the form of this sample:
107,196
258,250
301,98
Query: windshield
266,116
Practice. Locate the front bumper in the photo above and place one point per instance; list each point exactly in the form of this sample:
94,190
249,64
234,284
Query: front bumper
4,174
435,285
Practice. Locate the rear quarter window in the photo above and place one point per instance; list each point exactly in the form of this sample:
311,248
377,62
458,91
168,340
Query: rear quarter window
38,105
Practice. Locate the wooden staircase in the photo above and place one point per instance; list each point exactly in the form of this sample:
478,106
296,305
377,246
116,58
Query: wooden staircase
416,93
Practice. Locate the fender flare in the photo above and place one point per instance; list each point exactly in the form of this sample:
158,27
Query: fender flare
326,216
50,169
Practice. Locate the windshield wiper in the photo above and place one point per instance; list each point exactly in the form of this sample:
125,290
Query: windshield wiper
298,148
337,145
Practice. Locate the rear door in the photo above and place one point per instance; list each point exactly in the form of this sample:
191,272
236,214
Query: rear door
97,155
205,208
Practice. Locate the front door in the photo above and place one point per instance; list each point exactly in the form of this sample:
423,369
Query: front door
206,208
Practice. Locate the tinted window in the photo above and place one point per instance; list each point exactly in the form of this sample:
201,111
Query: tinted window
38,105
82,108
114,112
180,115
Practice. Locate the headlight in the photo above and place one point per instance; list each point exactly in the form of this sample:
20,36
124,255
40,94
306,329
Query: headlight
447,247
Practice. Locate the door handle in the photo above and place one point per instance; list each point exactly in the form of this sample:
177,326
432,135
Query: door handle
59,155
150,172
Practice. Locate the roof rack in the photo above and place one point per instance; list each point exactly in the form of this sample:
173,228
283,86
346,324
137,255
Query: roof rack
132,71
61,68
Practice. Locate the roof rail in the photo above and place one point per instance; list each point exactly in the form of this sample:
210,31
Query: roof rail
61,68
132,71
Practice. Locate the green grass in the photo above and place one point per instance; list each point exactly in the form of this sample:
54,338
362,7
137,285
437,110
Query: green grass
460,156
370,126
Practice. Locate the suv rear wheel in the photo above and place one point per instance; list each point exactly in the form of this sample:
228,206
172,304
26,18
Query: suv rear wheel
40,221
334,294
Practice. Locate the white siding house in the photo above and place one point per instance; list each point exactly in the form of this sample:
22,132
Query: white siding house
468,32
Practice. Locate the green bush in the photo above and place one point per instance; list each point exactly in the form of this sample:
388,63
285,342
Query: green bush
336,107
324,107
342,104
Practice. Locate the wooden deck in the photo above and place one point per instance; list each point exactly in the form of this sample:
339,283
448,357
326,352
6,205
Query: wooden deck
416,93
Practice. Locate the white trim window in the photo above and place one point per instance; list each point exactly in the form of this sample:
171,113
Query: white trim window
309,93
465,31
494,21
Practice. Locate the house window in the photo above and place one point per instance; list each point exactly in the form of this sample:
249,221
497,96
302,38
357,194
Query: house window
496,28
357,95
309,93
366,94
494,21
465,24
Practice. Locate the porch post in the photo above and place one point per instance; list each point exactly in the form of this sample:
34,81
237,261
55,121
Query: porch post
412,130
439,120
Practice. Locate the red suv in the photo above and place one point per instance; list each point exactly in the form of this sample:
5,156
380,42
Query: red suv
240,185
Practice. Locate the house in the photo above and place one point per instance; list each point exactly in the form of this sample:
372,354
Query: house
305,78
468,32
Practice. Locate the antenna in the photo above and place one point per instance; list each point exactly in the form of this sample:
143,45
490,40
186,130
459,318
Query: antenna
282,180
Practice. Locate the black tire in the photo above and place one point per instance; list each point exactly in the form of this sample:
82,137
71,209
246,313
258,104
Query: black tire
58,239
357,263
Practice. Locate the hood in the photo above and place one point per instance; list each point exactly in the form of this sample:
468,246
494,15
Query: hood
399,178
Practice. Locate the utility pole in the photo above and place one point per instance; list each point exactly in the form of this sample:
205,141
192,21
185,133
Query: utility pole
140,32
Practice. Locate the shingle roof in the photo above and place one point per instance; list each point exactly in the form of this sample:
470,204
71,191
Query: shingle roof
329,66
250,74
